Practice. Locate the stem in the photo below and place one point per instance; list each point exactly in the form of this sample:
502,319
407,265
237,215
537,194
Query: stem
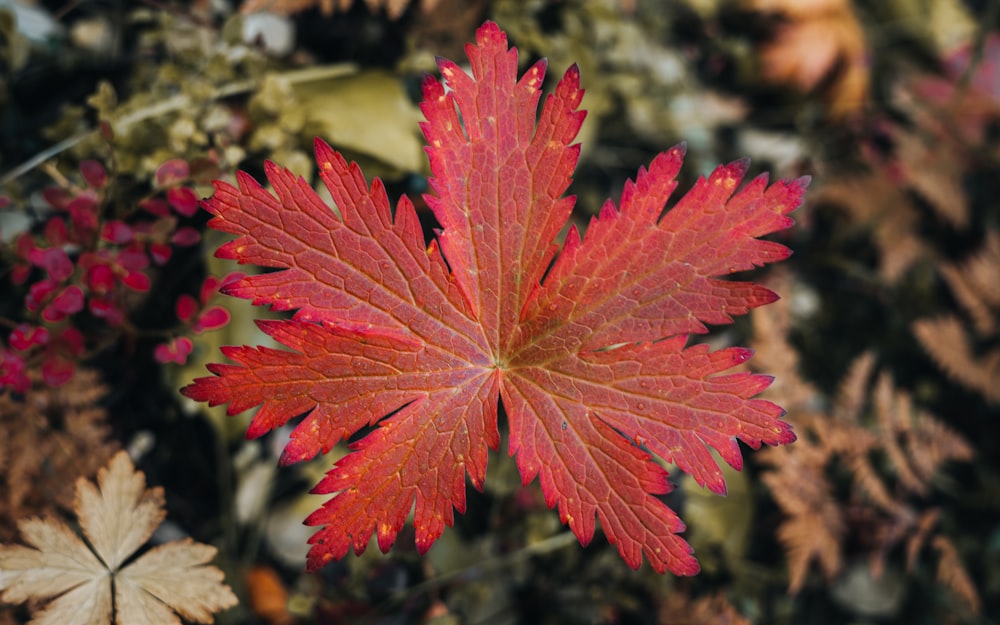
172,105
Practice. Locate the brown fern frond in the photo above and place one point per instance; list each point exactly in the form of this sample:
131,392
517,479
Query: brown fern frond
871,486
799,485
852,395
814,528
945,340
916,542
893,410
48,439
934,171
976,285
952,574
971,298
883,208
681,609
880,515
774,354
931,443
811,538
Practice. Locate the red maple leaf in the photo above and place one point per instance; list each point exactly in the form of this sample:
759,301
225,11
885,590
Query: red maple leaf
585,347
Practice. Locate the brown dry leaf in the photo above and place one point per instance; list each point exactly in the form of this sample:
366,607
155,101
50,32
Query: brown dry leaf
819,47
87,585
268,596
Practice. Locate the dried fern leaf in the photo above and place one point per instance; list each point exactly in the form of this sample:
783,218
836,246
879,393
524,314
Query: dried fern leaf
945,340
894,410
951,573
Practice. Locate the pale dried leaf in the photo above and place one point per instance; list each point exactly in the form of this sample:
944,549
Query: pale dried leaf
888,212
118,517
176,575
122,515
89,604
58,562
814,529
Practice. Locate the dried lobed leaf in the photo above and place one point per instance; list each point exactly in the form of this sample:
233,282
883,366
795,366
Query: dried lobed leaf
818,46
71,582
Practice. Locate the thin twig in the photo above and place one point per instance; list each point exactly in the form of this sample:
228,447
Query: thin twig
172,105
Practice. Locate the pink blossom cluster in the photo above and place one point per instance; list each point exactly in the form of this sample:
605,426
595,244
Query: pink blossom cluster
197,317
86,261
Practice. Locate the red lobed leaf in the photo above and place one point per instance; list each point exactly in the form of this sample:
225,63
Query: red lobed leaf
584,346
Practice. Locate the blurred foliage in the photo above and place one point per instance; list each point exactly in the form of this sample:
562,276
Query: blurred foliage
892,106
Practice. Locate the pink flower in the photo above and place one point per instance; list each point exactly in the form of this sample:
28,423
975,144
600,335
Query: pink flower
12,372
177,351
68,302
184,201
26,336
